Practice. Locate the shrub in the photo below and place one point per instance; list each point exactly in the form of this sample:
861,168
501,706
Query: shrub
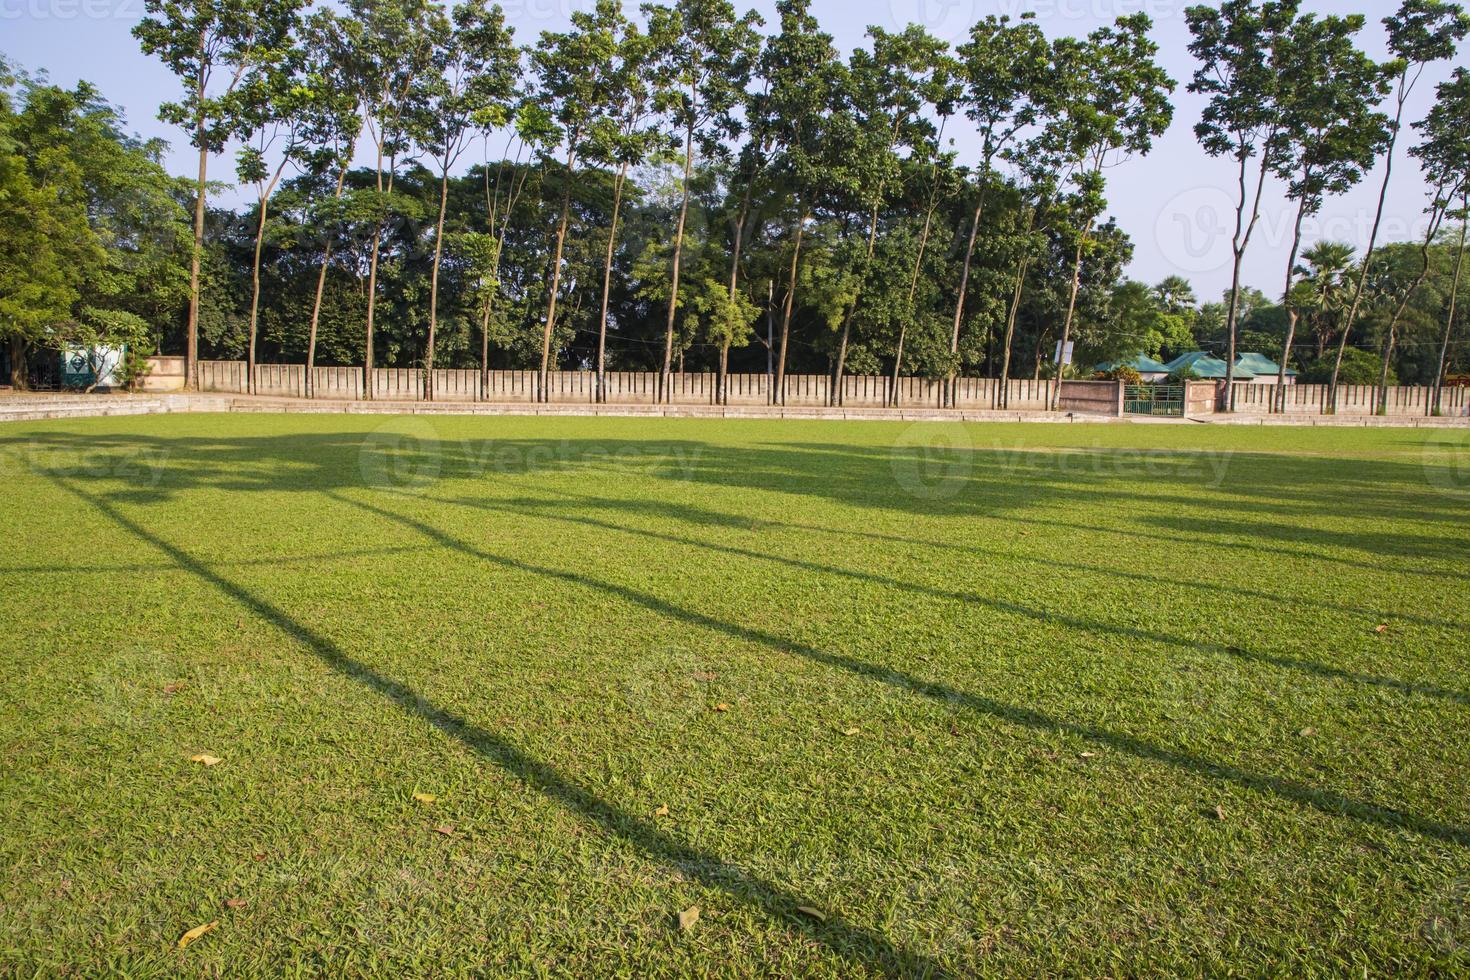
1359,367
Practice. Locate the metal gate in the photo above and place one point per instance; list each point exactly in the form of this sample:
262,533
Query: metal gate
1153,400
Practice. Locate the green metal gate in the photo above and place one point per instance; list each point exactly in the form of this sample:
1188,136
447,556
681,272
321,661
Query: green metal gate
1153,400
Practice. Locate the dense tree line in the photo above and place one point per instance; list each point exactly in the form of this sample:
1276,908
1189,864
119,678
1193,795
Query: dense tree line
691,189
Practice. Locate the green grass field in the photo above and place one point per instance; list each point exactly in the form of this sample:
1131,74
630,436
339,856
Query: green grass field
996,699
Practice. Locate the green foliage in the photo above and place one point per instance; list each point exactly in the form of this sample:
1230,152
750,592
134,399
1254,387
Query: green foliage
1359,367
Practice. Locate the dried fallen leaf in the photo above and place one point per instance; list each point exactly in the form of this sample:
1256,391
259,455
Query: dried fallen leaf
207,760
195,933
173,688
817,914
662,811
425,797
446,830
1088,755
1219,812
722,706
234,903
1381,628
704,675
258,857
688,917
1307,732
851,731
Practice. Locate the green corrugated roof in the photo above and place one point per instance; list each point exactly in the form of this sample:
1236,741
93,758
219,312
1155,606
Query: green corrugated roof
1206,366
1143,364
1261,365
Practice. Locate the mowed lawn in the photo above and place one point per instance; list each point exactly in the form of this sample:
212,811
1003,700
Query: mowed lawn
877,699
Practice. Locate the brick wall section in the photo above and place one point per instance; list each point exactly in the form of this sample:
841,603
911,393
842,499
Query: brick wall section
1093,397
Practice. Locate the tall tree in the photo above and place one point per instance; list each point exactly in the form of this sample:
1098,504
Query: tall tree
43,221
1004,67
394,47
574,75
1117,102
707,52
887,97
1330,136
336,79
624,138
273,109
470,86
1421,33
1444,157
805,84
942,90
1449,318
210,46
1240,46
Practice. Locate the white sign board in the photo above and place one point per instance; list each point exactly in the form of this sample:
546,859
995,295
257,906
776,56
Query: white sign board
1064,356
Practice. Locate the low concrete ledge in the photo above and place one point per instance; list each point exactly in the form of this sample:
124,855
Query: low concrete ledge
23,407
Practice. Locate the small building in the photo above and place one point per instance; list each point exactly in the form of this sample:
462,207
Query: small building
1265,370
1207,366
1148,369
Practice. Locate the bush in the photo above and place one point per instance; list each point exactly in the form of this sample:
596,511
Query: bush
133,370
1359,367
1123,372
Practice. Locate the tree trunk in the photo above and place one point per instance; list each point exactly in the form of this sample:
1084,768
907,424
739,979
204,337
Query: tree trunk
678,256
367,376
1238,244
1010,319
1056,393
1347,326
561,238
255,299
191,340
612,239
959,303
434,286
316,304
835,395
1449,321
778,393
724,377
1393,325
1278,397
19,375
909,306
770,337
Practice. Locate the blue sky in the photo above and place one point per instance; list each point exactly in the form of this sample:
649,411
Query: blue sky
1174,203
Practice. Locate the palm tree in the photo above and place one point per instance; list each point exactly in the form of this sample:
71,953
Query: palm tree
1176,295
1327,271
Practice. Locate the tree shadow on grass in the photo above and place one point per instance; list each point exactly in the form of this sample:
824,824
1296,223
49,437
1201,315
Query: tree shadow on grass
847,940
1324,801
685,513
545,510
